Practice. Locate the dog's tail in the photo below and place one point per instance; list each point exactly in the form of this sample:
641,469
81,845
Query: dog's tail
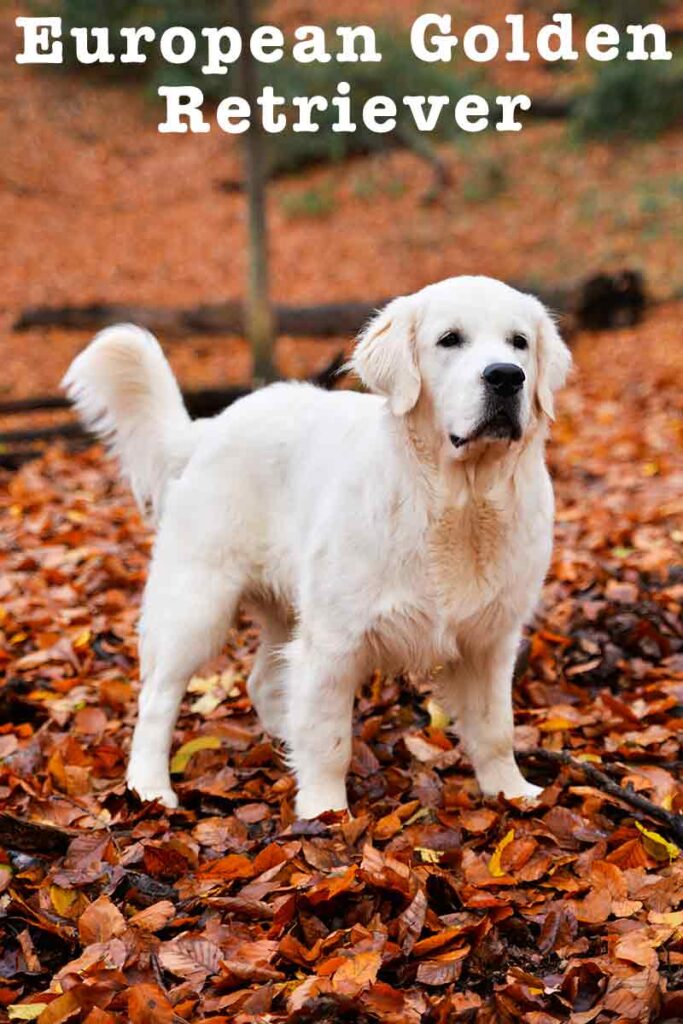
124,391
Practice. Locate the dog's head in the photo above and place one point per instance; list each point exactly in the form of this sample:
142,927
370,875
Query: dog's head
486,358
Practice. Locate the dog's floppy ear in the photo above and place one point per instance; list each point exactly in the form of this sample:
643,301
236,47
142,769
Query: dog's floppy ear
553,363
385,358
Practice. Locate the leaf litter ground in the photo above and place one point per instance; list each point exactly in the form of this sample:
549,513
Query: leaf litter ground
430,904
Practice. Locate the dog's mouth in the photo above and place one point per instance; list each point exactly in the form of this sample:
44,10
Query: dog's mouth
502,425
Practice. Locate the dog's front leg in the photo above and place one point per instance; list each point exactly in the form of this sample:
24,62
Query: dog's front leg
320,691
477,693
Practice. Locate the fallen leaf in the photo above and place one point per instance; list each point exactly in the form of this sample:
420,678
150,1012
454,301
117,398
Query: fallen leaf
495,869
25,1011
153,918
657,846
100,922
147,1004
357,973
184,754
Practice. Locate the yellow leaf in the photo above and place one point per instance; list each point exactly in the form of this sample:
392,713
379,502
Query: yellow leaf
423,812
26,1011
657,846
429,856
69,903
672,918
557,724
494,864
83,639
438,719
203,684
207,703
592,758
182,757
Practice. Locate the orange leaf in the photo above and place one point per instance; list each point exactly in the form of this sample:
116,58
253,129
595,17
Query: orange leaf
357,973
147,1004
151,919
100,922
227,868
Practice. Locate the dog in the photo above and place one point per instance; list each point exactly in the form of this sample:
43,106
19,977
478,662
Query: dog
407,529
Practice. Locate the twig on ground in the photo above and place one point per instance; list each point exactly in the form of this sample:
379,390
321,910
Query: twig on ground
673,821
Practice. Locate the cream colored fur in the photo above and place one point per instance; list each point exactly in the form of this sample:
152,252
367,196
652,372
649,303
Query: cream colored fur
351,526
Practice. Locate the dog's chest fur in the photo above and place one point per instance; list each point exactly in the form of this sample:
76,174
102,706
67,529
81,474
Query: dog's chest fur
467,561
461,584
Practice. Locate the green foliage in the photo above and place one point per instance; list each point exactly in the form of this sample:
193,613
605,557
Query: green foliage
630,98
373,182
619,12
487,180
311,203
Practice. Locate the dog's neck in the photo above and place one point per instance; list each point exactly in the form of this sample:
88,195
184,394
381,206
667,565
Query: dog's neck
487,474
473,506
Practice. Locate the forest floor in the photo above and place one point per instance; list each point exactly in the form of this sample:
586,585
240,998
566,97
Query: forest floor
430,905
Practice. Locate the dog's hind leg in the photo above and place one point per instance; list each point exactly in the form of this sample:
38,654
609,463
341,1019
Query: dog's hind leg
266,685
189,606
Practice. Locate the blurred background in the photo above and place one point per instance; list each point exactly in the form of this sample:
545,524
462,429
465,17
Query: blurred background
98,208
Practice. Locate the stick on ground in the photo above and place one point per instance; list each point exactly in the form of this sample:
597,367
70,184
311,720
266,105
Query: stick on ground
672,821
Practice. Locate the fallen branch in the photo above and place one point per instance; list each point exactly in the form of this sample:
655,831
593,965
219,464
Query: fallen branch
332,320
597,302
16,459
41,433
601,781
33,837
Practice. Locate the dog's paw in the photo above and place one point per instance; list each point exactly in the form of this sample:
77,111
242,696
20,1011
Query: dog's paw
312,805
148,792
525,793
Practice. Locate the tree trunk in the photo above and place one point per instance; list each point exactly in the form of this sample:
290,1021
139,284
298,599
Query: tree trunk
259,315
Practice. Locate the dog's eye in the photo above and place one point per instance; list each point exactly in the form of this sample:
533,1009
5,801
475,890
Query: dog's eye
519,341
452,339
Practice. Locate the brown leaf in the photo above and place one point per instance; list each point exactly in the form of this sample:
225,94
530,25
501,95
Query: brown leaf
227,868
100,922
65,1007
385,871
411,922
444,969
329,888
98,1016
357,973
154,918
387,826
147,1004
191,958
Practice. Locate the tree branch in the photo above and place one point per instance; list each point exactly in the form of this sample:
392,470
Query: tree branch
601,781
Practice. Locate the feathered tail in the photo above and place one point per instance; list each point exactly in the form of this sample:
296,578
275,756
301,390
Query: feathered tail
124,391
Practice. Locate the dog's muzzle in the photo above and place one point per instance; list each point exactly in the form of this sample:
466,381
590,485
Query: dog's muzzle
503,383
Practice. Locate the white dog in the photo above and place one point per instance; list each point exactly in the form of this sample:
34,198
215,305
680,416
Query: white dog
410,529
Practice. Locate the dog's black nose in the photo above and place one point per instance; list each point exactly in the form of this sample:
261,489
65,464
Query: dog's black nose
504,378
